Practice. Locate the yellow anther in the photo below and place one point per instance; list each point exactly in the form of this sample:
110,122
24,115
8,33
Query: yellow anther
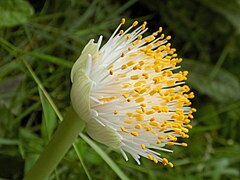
158,142
126,85
157,69
130,63
170,164
143,109
138,117
123,128
138,90
185,130
153,119
162,36
139,83
150,157
160,29
148,129
129,114
143,26
115,112
155,34
139,37
150,112
168,38
121,31
184,144
123,21
135,23
143,105
128,100
123,54
140,99
128,36
135,77
125,94
129,48
134,133
164,161
174,55
139,111
194,110
128,122
155,108
149,39
170,143
152,92
143,90
177,130
189,126
138,126
124,66
111,72
161,137
154,123
145,75
155,160
143,146
170,82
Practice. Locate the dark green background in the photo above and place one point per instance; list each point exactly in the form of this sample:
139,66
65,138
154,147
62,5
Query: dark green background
49,35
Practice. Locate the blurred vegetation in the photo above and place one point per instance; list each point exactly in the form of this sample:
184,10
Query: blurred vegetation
40,40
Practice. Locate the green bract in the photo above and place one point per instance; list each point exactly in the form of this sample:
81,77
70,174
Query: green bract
80,97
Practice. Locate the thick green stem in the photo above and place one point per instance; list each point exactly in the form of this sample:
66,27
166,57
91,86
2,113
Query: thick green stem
60,143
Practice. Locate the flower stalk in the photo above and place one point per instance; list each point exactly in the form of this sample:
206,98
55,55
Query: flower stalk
58,146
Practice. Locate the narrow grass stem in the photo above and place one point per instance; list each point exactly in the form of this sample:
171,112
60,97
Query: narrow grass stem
60,143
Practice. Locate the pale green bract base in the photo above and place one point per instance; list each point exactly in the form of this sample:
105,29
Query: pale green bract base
80,97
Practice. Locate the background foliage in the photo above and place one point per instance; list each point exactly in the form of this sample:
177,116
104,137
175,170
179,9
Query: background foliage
40,40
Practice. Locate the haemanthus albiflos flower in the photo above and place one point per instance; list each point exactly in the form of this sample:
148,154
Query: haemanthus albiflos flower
131,94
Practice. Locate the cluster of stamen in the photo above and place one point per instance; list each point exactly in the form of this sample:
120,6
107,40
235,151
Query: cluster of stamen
153,99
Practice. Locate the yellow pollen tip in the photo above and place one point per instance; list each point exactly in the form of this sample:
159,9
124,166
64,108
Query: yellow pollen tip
123,54
111,72
135,23
160,29
134,77
155,160
184,144
150,112
123,21
161,137
143,146
115,112
150,156
170,143
138,100
123,128
170,164
164,161
121,31
134,133
168,38
138,126
194,110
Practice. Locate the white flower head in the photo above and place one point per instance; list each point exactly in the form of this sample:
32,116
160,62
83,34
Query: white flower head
131,94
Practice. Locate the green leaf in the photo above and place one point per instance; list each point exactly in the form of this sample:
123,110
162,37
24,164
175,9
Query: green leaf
49,117
222,88
228,9
105,157
14,12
